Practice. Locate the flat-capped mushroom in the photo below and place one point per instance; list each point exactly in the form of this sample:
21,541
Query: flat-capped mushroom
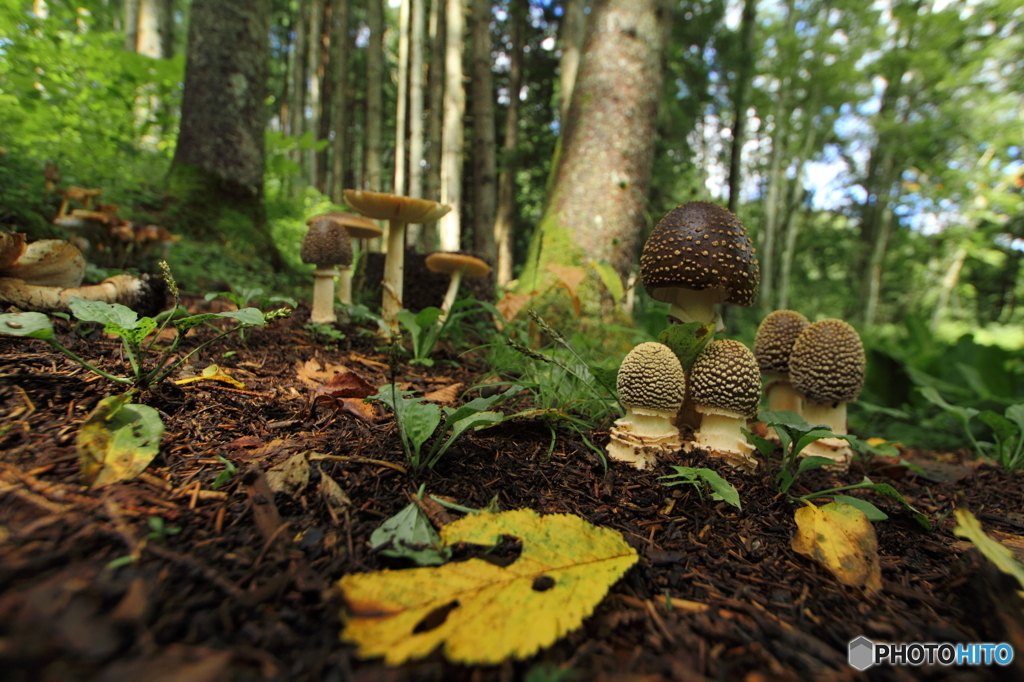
651,386
357,228
827,369
725,385
772,347
457,266
398,211
699,255
325,245
48,263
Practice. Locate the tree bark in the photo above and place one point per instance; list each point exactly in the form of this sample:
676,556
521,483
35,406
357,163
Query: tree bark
155,34
216,177
504,224
435,94
417,30
596,206
297,105
739,99
131,25
573,31
316,16
326,75
402,105
949,281
339,104
374,94
484,165
451,137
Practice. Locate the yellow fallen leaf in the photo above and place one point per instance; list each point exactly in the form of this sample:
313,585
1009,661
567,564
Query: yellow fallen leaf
839,537
213,373
481,613
118,440
969,527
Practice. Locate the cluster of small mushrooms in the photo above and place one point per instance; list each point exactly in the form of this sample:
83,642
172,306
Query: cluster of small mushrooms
697,257
327,245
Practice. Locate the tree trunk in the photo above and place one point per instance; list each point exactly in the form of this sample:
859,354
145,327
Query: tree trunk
435,93
451,136
949,281
739,100
339,105
155,35
131,25
504,225
297,105
402,105
772,199
790,230
484,170
874,278
326,75
417,31
596,208
374,94
573,31
216,178
316,16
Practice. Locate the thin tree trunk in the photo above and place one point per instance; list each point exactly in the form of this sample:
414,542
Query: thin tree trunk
297,105
435,93
874,282
790,229
740,99
484,170
772,199
451,141
417,31
155,35
504,225
316,16
402,106
949,281
374,94
339,106
325,74
131,25
573,31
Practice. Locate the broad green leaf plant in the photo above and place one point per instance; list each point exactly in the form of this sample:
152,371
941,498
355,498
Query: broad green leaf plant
698,477
1007,429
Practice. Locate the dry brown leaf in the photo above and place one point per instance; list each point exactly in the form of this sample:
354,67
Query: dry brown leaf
244,442
311,374
333,494
448,394
839,537
347,384
274,447
570,275
512,303
291,476
359,409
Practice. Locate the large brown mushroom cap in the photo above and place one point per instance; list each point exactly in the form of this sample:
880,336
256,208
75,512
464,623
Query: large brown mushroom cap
775,337
827,362
326,243
356,226
48,262
698,246
382,206
12,246
651,377
725,376
447,263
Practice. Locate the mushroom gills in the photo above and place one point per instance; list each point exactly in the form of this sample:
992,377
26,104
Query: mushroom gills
642,435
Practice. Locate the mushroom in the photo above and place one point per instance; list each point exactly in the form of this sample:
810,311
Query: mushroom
772,346
826,367
697,256
47,263
725,385
651,387
357,228
398,211
325,245
80,194
456,265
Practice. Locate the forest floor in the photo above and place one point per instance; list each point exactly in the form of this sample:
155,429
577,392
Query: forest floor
718,593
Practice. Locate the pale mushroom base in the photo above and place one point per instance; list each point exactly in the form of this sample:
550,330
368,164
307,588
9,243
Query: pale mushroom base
642,436
781,396
834,417
720,436
835,449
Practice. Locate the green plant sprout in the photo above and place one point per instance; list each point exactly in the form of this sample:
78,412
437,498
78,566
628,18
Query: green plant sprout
795,434
226,475
243,296
1007,429
409,535
159,531
324,333
721,489
430,325
417,420
133,331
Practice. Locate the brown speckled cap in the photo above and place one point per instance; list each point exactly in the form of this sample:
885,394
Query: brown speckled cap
326,243
357,227
698,246
827,362
448,263
725,377
775,337
651,377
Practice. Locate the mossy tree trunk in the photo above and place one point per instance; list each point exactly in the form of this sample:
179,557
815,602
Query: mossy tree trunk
216,178
596,205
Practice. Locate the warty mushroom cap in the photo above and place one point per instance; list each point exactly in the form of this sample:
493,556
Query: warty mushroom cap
357,227
326,243
448,263
698,246
725,376
383,206
775,337
827,362
651,377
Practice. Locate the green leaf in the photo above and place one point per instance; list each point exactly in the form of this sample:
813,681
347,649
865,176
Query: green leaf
871,511
107,314
1001,426
721,489
1015,413
964,414
427,317
763,445
892,493
478,420
811,436
420,421
784,418
479,404
32,325
811,463
409,535
118,440
610,278
687,340
135,335
247,316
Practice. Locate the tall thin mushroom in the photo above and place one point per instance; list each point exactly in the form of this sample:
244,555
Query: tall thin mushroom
398,211
358,228
457,266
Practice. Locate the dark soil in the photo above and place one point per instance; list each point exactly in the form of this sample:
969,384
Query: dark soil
217,601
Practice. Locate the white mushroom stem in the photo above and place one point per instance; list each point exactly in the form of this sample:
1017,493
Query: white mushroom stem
642,435
453,290
687,305
781,394
720,434
394,275
345,285
124,289
837,449
832,416
323,296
